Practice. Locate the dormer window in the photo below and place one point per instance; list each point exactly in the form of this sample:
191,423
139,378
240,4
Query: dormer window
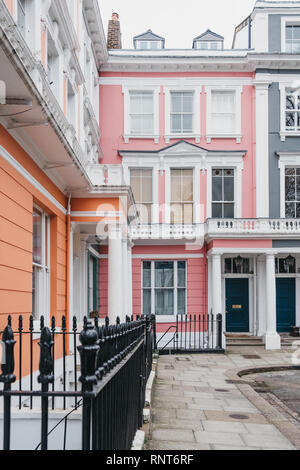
205,45
208,41
148,41
144,45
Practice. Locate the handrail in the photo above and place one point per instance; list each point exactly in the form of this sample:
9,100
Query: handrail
170,327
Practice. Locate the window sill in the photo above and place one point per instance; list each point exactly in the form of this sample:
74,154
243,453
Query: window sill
197,137
145,136
285,134
238,137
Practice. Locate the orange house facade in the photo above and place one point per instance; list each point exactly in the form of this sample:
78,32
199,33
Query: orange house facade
57,201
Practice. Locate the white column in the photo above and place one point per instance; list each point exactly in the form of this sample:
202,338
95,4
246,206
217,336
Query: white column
262,147
115,271
261,295
125,277
209,284
272,338
129,253
216,292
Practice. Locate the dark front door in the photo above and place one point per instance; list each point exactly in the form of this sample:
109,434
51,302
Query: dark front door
285,303
237,305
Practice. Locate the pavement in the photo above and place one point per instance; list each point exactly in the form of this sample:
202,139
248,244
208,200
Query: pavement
196,404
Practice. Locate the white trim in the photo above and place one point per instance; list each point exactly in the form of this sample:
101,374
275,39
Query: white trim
175,82
183,86
285,160
163,256
23,172
237,164
237,134
141,86
262,146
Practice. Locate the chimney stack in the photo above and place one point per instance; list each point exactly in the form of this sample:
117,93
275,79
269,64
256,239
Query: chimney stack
114,33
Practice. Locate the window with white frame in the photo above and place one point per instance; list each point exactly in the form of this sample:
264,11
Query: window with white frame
182,108
212,45
164,287
292,38
141,112
149,45
21,15
182,196
223,203
41,264
292,110
141,184
292,193
223,112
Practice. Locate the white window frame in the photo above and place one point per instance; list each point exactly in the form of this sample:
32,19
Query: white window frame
234,190
165,318
283,132
287,20
152,204
234,162
148,44
127,124
196,132
210,133
134,163
286,160
194,192
43,278
209,44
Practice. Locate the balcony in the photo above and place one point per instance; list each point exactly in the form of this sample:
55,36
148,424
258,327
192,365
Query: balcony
245,228
106,175
189,232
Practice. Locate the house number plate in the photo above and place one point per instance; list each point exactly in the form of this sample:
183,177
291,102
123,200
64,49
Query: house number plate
236,306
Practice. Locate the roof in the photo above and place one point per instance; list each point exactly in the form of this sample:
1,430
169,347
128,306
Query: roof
148,36
209,36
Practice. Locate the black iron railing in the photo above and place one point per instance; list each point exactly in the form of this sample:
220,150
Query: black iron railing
192,333
115,363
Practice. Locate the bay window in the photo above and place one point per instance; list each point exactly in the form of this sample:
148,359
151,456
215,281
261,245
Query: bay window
164,287
182,196
41,264
292,193
292,110
223,203
141,184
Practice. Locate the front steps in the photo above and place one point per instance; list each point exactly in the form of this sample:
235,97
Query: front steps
243,339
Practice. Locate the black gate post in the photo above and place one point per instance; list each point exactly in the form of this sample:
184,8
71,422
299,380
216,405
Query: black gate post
219,330
7,377
46,377
88,357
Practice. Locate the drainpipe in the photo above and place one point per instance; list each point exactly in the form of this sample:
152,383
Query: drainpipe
68,270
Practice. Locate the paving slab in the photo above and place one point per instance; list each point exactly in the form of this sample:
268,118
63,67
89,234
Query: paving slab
197,406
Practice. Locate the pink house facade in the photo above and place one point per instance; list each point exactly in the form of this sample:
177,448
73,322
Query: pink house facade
190,130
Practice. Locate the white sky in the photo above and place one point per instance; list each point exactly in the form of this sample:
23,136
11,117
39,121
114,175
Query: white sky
177,20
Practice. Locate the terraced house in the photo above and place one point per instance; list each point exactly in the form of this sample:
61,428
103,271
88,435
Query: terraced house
149,180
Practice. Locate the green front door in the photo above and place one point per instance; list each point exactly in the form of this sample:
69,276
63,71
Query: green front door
285,303
237,305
